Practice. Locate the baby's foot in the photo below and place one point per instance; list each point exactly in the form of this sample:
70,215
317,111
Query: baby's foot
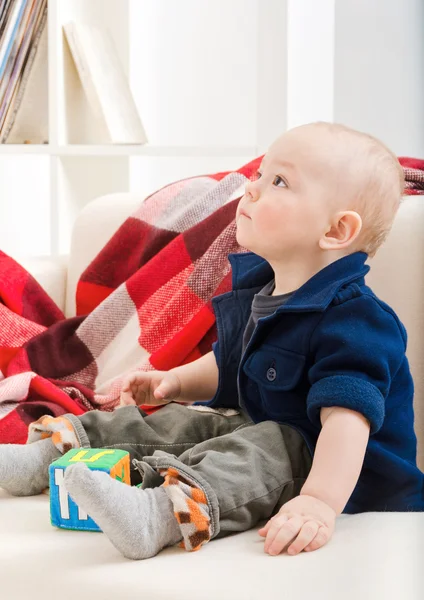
24,469
139,523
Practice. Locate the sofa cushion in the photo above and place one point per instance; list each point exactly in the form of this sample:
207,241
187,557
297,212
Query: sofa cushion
371,555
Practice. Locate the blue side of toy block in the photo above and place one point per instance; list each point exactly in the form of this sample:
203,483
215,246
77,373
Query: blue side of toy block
64,513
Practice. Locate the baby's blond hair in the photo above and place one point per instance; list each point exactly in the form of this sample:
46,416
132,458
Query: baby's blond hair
373,173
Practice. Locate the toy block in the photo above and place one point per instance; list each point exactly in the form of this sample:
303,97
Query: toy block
64,512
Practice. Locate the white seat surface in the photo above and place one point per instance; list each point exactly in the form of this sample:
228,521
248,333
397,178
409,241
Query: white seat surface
371,556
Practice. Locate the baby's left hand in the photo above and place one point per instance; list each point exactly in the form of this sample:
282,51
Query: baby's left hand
303,523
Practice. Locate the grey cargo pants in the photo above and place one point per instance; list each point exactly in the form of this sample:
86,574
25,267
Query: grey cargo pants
247,471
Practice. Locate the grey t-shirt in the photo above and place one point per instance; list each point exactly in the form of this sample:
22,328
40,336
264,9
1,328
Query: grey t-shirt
263,304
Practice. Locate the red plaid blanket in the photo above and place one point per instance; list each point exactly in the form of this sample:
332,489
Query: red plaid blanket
144,302
414,174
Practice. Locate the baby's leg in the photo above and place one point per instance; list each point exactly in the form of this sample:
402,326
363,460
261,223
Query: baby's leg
138,522
24,469
232,482
174,428
222,485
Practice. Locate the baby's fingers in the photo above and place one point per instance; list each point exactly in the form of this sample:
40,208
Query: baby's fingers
139,393
282,533
126,385
264,530
319,540
129,382
275,525
164,390
305,537
126,398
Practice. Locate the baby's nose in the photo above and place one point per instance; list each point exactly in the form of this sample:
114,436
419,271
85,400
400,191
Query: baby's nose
252,190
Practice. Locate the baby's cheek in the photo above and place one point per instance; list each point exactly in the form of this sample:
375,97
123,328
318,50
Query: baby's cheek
274,223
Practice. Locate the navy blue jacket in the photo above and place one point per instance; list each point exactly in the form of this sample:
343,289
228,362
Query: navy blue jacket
334,343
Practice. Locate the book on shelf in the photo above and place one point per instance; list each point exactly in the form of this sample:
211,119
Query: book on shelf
104,82
13,18
23,72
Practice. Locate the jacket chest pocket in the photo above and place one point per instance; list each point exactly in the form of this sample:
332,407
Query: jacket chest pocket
279,378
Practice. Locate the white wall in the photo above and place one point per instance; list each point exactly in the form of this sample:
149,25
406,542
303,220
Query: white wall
310,61
230,74
24,205
359,62
206,74
379,70
198,66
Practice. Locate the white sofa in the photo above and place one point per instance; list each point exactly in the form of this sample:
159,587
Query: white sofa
372,555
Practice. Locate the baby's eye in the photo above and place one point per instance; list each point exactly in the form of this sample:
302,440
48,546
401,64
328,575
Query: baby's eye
258,175
279,180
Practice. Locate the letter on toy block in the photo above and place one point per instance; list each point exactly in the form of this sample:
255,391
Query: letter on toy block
64,512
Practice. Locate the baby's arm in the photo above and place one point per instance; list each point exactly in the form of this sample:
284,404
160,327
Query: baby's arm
199,379
336,467
358,347
193,382
338,457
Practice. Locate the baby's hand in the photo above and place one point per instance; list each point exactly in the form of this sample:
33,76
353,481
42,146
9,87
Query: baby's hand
150,387
303,523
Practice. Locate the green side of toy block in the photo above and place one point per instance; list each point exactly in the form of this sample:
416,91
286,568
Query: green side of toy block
102,459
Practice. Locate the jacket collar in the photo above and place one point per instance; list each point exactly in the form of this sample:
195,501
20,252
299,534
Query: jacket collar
252,271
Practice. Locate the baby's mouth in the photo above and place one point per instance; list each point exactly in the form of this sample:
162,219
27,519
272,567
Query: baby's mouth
243,214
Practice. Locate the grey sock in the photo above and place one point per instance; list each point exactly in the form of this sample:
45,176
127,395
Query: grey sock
24,469
139,523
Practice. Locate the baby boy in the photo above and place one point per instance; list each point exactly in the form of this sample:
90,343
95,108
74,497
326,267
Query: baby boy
309,391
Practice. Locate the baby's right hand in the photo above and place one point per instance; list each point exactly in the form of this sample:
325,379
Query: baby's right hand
150,387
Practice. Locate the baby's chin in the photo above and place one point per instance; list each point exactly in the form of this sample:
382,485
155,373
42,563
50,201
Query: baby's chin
246,244
241,238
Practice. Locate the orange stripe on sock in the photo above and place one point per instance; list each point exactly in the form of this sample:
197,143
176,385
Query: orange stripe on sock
68,424
197,517
57,438
198,495
173,473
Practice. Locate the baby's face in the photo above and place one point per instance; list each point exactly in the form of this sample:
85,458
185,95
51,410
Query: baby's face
288,208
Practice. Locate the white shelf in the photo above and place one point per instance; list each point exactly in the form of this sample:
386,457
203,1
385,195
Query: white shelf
125,150
199,112
212,93
13,149
148,150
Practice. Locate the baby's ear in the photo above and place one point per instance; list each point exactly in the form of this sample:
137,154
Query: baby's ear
342,232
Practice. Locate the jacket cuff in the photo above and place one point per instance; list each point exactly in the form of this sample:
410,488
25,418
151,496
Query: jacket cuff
348,392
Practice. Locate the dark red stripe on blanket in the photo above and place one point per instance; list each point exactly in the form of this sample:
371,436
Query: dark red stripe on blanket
58,352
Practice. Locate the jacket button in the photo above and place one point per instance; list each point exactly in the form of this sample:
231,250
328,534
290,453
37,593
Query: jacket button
271,374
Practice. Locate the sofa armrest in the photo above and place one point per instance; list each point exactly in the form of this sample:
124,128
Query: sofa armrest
51,274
